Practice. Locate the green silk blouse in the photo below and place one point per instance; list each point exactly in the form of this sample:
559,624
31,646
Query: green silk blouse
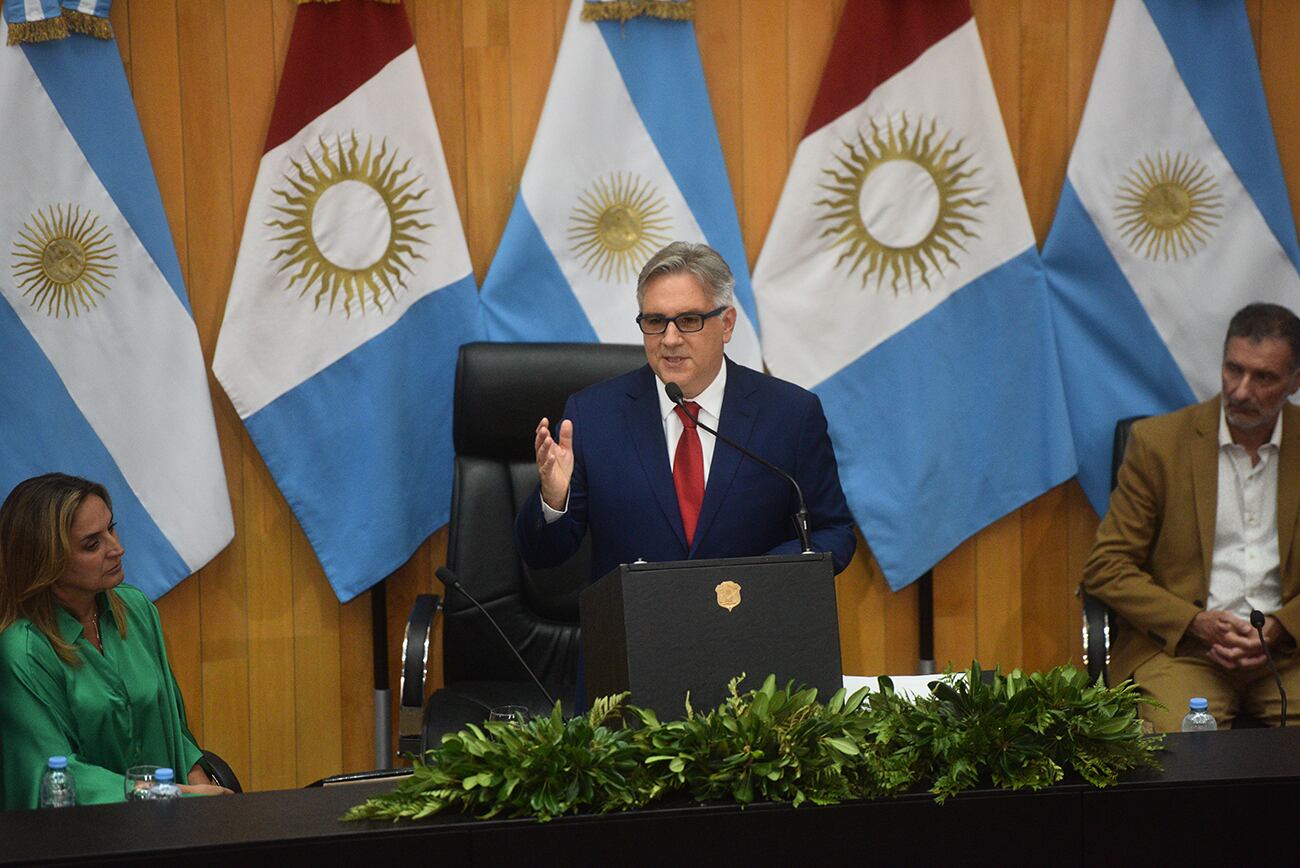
117,709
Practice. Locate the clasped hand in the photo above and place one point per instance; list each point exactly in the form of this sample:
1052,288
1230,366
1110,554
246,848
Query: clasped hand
554,462
1232,642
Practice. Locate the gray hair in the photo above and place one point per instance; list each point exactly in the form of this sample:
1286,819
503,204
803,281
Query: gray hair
698,260
1263,320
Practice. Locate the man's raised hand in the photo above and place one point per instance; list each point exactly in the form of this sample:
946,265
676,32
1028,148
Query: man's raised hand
554,462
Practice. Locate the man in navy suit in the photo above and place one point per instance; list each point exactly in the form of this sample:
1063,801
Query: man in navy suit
636,473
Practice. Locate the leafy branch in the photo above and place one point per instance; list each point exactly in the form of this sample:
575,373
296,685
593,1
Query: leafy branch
780,744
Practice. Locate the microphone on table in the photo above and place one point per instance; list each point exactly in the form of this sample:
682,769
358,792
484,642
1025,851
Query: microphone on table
452,580
674,393
1257,621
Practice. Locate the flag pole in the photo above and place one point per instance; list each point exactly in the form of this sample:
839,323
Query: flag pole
925,622
379,651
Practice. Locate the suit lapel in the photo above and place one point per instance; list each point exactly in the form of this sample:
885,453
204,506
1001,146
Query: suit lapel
1288,485
1205,479
647,428
737,423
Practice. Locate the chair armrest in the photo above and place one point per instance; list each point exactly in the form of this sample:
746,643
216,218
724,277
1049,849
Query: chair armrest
415,667
1098,622
220,771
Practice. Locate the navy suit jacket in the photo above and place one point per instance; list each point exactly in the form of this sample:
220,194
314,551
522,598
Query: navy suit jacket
622,486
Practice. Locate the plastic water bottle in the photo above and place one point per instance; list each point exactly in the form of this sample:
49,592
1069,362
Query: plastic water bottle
1198,717
58,789
164,785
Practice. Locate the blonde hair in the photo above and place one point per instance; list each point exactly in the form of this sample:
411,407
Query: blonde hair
35,544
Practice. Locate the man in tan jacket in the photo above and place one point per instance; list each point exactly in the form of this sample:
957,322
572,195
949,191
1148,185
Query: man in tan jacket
1201,531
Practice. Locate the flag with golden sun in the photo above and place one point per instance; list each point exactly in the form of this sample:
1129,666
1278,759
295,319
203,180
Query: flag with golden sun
1174,215
900,282
625,160
351,296
101,374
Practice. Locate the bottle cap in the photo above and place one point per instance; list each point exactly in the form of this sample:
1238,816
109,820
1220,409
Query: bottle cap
1198,703
58,762
164,776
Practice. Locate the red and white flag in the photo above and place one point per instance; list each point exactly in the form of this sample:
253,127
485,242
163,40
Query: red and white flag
900,282
352,295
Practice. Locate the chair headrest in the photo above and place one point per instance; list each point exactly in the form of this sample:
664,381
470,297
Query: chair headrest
502,389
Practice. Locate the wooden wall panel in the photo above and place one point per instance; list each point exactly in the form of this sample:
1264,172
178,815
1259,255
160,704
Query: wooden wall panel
211,244
1278,35
251,64
277,673
1044,123
318,728
764,110
810,30
718,25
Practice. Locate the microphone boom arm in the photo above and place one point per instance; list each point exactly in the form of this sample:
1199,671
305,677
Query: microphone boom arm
1257,621
450,579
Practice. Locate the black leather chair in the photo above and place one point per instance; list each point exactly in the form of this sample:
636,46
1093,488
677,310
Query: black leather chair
502,390
1098,618
220,771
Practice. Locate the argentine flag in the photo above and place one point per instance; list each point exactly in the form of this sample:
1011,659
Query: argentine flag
1174,216
625,160
900,283
101,374
351,296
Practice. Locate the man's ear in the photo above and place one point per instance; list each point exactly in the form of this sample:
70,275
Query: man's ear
729,325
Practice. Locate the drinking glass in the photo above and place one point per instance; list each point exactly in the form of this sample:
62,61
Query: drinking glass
511,714
137,783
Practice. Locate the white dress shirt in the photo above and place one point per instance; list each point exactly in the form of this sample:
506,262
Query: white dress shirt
710,413
1245,570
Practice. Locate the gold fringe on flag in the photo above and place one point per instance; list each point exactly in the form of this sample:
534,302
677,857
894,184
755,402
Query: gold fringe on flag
625,10
88,25
49,29
44,30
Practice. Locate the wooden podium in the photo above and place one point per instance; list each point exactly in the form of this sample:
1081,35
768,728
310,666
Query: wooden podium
661,629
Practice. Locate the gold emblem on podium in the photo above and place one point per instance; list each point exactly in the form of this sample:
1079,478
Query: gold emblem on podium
728,595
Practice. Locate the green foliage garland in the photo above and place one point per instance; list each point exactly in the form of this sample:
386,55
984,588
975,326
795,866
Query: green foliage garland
780,744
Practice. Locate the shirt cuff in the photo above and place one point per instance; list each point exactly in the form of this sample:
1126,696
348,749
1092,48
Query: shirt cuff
553,515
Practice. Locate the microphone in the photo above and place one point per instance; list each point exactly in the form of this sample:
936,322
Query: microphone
1257,621
452,580
674,393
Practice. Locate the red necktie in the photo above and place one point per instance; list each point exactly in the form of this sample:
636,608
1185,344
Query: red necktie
688,471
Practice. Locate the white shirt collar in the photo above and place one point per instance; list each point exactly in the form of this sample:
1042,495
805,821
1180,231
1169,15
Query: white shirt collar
1225,436
710,400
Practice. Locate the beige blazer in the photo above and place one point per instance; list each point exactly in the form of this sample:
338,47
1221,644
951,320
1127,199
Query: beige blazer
1151,560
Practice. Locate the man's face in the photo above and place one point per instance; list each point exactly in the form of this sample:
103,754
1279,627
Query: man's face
690,360
1257,380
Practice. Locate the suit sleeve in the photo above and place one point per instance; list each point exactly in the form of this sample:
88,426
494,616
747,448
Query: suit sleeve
544,545
1116,571
818,475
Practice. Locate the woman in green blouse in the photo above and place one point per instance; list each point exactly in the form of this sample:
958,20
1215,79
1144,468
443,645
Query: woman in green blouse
83,669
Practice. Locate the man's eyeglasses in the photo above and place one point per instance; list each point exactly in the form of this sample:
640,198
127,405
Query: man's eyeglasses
657,323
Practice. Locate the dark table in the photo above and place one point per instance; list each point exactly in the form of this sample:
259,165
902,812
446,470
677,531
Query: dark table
1221,796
